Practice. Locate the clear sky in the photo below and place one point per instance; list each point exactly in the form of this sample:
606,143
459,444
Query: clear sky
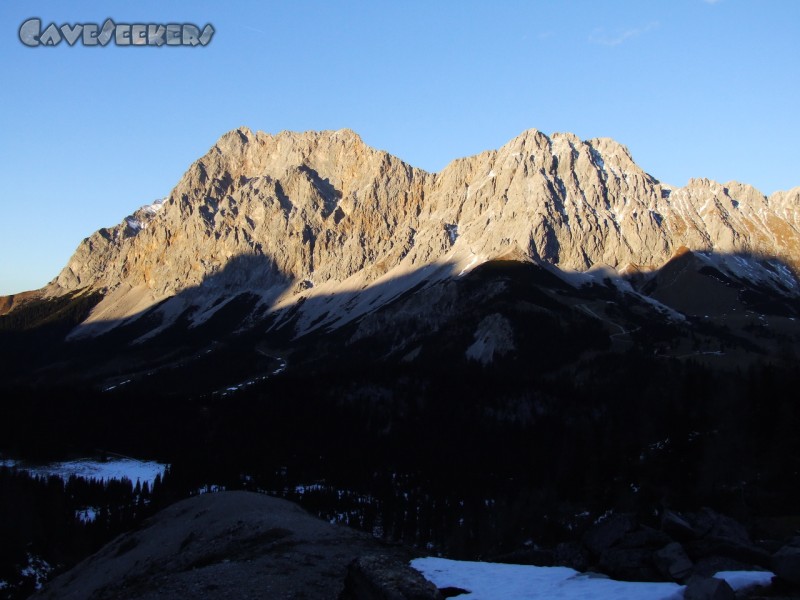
694,88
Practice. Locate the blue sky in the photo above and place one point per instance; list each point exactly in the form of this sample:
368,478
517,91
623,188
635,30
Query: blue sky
693,88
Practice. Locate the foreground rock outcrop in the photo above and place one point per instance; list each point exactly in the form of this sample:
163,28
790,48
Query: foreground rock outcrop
247,545
239,545
383,578
690,548
786,562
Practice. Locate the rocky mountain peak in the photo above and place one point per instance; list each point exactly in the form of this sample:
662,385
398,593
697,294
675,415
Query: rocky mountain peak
325,210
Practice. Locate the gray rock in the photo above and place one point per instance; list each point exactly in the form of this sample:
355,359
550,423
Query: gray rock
629,564
673,562
677,526
608,532
723,537
223,545
386,578
539,557
645,537
745,553
708,588
708,523
572,555
707,566
786,563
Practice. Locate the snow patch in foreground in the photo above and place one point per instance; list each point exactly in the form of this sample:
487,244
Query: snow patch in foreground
490,581
740,580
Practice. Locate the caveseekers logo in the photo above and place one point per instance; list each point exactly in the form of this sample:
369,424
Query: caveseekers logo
122,34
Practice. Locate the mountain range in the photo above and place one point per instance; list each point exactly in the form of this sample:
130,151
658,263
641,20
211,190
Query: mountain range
509,350
306,232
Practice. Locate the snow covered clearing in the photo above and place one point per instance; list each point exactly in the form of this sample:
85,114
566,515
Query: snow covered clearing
211,488
115,468
87,515
493,581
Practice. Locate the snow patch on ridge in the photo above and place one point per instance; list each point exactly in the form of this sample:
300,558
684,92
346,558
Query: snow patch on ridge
770,272
598,159
452,232
135,224
146,212
117,468
154,207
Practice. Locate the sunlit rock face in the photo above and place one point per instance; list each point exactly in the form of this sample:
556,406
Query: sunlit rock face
323,210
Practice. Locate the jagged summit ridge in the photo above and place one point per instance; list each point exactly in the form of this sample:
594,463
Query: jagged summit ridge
255,193
327,209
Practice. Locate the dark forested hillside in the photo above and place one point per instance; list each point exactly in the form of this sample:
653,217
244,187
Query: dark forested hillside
512,407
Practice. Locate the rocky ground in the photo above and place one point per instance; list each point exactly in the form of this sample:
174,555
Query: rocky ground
247,545
239,545
688,548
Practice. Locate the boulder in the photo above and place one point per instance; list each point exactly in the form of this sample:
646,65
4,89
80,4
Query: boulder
645,537
608,532
786,562
386,578
747,554
629,564
708,523
676,526
708,588
707,566
723,537
572,555
673,562
539,557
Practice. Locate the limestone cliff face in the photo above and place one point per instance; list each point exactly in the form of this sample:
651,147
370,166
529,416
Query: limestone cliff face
578,204
323,207
320,206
